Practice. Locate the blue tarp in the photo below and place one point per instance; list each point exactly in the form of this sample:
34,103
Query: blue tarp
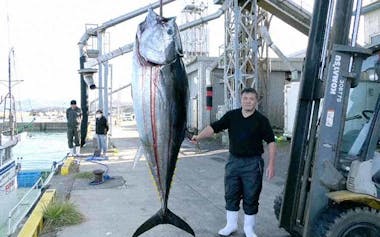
26,179
97,158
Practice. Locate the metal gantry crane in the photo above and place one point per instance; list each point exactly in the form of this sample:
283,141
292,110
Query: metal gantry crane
240,49
195,40
243,46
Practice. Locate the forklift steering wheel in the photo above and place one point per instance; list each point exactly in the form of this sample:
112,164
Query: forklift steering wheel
366,113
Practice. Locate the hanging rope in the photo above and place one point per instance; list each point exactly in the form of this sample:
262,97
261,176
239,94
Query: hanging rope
160,8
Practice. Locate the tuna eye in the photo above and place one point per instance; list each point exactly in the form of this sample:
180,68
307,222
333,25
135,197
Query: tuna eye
170,31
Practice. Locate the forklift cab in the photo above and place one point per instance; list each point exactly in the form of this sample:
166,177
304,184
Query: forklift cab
359,161
360,111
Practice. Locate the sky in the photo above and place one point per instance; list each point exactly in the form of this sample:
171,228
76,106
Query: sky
45,33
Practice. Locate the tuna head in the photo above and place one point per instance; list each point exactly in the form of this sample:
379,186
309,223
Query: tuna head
158,39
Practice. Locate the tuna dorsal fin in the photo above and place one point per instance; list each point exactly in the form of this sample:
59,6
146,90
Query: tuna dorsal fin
162,217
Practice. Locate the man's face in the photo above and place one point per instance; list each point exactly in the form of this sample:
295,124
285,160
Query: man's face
73,106
248,101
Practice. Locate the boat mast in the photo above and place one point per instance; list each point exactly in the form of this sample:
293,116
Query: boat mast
11,117
8,127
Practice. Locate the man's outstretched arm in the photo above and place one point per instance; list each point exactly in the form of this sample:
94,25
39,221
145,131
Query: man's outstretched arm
272,158
206,132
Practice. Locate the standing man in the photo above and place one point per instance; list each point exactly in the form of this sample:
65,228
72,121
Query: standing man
74,118
101,131
247,129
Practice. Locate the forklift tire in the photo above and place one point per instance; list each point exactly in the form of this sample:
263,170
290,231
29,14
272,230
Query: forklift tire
277,205
358,221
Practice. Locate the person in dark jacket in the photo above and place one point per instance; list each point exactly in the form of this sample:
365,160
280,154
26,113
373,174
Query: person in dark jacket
247,129
74,119
101,131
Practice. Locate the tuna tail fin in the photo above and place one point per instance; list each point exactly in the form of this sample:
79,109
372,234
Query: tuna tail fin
162,217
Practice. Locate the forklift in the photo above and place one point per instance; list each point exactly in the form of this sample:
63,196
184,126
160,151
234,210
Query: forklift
333,181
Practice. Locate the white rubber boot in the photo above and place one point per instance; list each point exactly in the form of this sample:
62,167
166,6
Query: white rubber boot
77,150
231,226
249,225
71,152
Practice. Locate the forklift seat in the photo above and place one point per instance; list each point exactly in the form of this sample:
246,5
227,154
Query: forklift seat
360,139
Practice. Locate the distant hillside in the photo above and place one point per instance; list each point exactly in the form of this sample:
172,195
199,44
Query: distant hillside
49,105
39,105
47,109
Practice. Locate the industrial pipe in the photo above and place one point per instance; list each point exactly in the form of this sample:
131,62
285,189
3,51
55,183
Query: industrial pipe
118,20
129,47
83,42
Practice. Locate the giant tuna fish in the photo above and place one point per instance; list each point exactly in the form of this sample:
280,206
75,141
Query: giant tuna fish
160,96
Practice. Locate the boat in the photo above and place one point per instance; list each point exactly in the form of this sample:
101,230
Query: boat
9,129
15,202
8,182
8,166
19,136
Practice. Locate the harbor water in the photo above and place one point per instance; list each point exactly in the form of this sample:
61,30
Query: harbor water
40,149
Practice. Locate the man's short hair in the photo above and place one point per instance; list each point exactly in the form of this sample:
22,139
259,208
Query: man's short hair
249,90
99,111
73,102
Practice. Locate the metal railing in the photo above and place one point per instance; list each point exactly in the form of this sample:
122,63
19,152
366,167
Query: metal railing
17,213
22,208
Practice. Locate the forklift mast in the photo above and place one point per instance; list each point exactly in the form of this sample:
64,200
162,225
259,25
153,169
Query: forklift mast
317,168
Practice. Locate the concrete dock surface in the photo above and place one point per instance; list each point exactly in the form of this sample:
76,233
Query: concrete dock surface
119,206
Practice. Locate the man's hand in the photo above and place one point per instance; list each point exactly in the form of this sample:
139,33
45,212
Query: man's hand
270,172
194,139
207,132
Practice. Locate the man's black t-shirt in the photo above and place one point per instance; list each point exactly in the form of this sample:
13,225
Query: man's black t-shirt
246,134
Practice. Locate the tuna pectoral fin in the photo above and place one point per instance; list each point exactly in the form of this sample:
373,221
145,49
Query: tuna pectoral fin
138,155
164,218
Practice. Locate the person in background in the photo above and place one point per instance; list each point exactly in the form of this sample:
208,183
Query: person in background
74,119
247,129
101,131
